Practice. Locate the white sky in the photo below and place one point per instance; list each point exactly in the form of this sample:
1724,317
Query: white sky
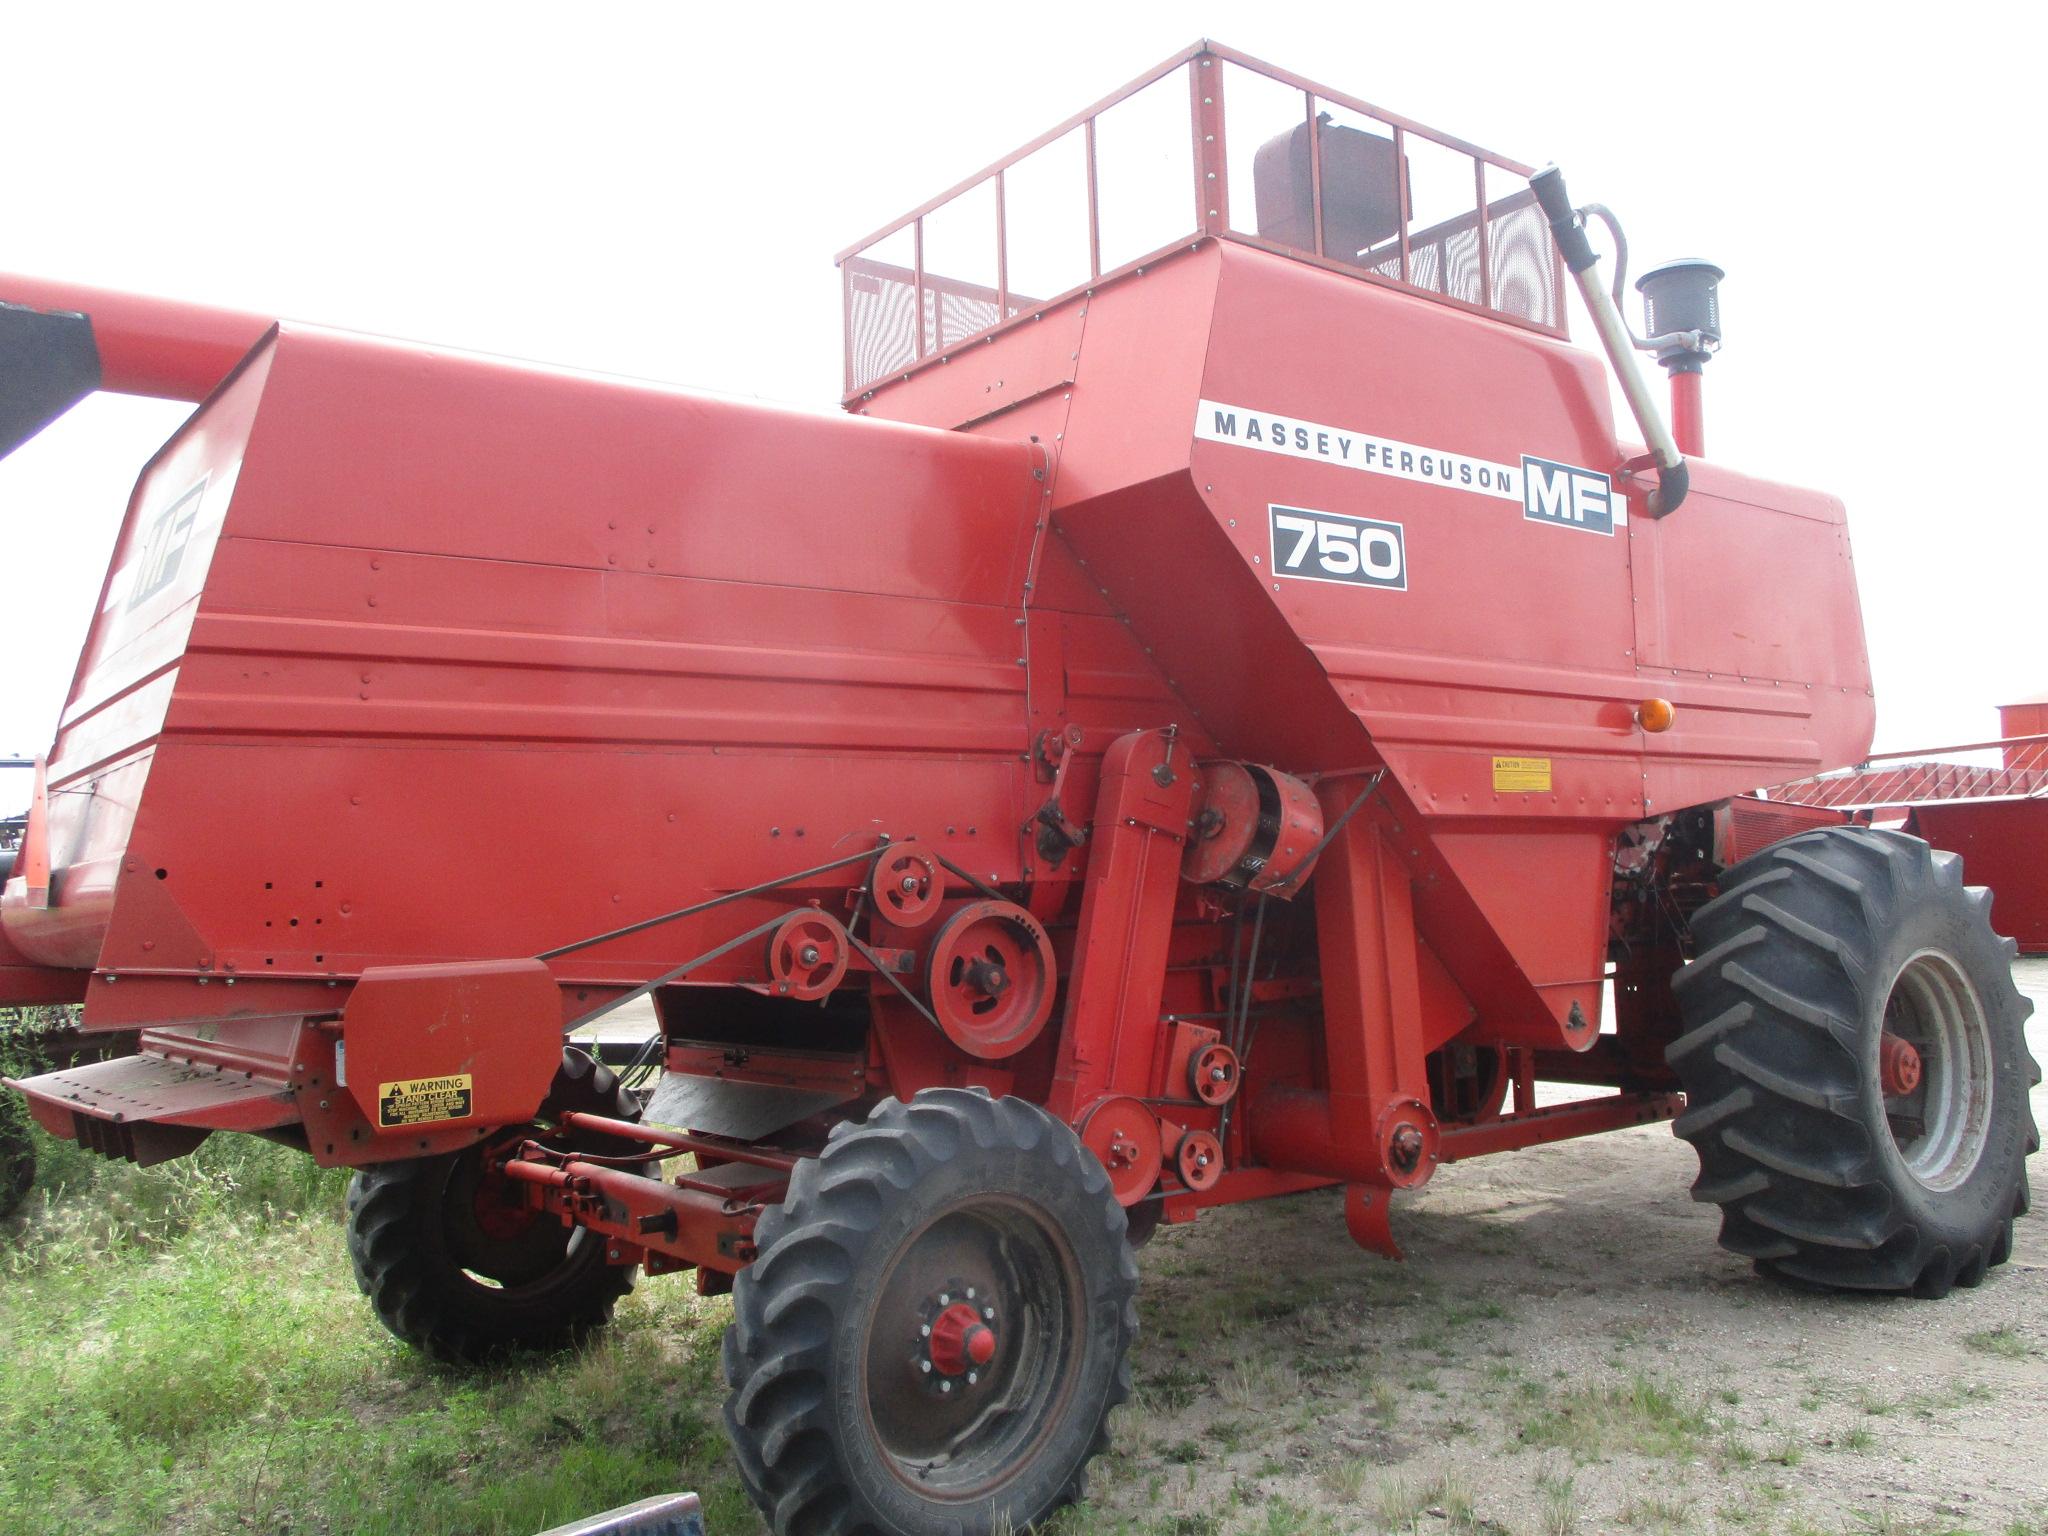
658,190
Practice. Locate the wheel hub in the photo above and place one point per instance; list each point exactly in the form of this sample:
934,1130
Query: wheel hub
1898,1066
960,1340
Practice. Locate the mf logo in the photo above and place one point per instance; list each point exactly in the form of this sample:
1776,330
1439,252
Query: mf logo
164,550
1567,495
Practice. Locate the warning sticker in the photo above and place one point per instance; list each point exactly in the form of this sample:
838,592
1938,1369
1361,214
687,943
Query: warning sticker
1521,775
424,1100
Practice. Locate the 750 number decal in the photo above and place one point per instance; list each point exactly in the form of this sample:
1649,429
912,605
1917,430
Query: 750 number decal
1329,546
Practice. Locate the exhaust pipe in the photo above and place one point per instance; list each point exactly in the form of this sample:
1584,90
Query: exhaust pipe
1568,228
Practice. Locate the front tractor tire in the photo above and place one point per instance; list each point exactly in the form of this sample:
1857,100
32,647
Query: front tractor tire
1855,1065
457,1265
937,1325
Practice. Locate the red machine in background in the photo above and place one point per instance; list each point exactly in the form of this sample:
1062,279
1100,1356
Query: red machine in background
1212,721
1986,801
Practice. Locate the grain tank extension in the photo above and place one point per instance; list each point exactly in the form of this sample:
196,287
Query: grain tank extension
1226,711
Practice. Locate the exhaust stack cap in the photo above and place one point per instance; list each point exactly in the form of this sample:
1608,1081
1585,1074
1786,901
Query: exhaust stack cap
1682,312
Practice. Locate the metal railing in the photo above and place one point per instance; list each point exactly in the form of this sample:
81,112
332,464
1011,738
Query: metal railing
1211,143
2014,768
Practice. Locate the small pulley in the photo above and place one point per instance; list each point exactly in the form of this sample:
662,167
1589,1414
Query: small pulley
1198,1160
807,955
907,887
990,979
1213,1074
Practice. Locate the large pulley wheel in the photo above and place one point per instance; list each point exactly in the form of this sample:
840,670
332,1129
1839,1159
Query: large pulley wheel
937,1325
807,955
1855,1065
459,1266
990,979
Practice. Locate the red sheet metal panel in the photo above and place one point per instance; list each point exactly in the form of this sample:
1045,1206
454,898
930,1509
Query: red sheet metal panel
1496,658
486,658
2004,844
122,689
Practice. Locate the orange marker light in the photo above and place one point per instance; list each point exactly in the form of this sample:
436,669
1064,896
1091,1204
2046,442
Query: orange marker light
1655,715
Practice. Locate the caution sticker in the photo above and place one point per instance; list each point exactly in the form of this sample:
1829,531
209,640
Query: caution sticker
423,1100
1521,775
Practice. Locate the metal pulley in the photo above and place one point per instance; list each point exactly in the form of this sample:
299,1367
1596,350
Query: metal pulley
1258,829
907,887
1213,1074
1198,1159
807,956
1124,1136
990,979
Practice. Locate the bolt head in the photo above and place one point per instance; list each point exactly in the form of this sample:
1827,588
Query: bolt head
925,1366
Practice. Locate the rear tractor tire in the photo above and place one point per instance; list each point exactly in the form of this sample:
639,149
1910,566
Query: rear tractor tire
1855,1065
460,1268
936,1328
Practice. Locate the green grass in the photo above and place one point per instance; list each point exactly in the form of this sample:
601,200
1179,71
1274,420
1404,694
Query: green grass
184,1349
2005,1341
1640,1416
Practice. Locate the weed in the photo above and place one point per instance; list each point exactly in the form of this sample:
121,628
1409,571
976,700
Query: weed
1640,1416
2005,1341
1657,1511
1286,1518
1173,1389
1258,1383
1557,1510
1399,1501
1786,1453
1346,1478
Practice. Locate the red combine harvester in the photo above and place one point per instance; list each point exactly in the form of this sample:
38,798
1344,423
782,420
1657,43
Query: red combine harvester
1211,723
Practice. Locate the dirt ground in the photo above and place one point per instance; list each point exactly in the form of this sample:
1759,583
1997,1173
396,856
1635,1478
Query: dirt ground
1567,1349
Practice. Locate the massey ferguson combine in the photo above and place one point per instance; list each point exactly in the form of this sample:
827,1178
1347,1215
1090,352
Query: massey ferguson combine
1214,720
